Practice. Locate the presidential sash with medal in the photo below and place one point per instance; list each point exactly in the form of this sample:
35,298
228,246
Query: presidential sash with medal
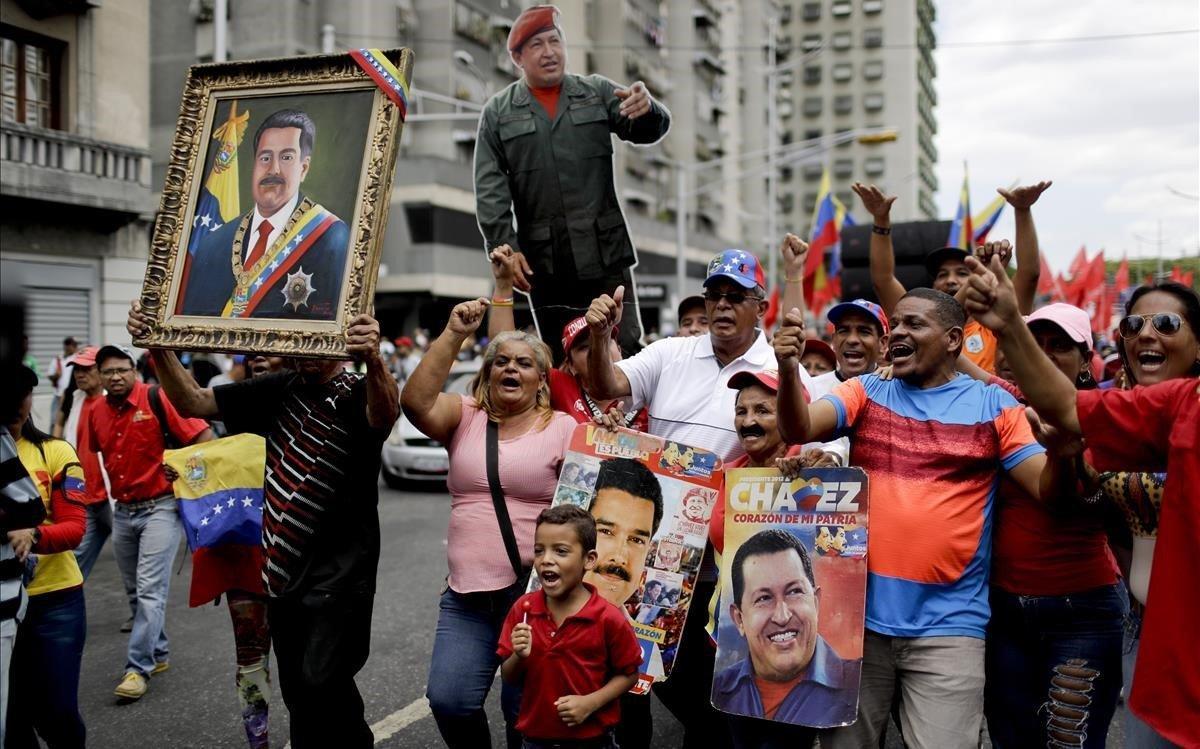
304,227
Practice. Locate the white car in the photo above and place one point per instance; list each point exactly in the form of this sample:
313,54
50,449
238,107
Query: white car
408,455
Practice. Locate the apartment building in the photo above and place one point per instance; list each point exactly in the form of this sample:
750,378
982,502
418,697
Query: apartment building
870,64
75,183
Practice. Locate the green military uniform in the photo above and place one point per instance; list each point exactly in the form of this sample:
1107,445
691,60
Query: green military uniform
556,178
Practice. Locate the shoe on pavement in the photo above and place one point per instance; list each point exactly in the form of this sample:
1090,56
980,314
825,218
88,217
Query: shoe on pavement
132,687
127,627
159,667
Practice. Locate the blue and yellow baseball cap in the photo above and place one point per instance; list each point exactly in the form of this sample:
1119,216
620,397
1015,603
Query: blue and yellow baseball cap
838,311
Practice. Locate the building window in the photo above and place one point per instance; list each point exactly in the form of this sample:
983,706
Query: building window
786,173
813,170
841,40
873,102
472,23
28,83
843,104
812,106
873,166
811,12
843,142
841,8
843,72
812,74
843,168
873,38
811,42
872,7
873,70
787,201
812,133
810,200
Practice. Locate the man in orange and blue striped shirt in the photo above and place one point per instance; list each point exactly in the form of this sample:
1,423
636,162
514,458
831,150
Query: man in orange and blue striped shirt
934,444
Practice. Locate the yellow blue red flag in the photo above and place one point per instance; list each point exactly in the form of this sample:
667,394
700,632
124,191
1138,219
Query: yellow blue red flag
961,233
219,201
220,490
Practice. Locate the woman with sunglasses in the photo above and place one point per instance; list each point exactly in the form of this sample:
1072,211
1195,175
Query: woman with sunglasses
1158,342
1153,427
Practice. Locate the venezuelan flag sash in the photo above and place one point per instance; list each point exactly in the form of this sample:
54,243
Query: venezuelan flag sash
386,76
252,286
220,490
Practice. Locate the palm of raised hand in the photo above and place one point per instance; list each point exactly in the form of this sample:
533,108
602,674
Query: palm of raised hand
1025,196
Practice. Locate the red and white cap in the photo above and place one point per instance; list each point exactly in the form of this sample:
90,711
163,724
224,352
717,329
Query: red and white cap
573,329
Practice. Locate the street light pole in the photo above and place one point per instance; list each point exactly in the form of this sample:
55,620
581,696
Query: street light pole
680,231
772,106
220,30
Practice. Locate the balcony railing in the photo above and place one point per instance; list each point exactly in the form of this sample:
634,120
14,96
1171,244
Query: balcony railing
62,167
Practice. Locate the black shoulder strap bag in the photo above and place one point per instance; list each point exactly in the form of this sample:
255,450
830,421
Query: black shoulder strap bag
506,528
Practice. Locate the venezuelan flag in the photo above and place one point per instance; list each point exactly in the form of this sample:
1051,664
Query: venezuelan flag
987,218
824,226
219,200
961,234
220,489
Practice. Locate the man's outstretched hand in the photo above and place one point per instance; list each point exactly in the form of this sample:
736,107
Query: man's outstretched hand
875,201
1023,197
138,322
990,297
635,100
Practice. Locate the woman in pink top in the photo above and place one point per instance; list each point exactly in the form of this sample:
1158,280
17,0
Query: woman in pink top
512,390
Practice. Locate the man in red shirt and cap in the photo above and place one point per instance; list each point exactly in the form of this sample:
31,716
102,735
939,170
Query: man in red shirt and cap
543,155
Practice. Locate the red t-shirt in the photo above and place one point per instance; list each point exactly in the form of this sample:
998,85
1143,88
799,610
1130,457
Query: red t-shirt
548,98
1157,428
128,435
578,657
566,395
93,476
1040,552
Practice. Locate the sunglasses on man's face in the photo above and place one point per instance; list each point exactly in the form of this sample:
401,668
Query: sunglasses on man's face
733,297
1164,323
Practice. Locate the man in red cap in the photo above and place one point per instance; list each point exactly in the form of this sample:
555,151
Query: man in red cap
543,156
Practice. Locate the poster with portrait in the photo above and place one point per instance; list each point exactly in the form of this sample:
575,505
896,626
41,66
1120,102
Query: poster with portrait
651,499
275,204
793,596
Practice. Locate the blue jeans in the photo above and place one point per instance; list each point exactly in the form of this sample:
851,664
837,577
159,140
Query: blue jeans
463,665
99,528
1053,668
145,541
45,673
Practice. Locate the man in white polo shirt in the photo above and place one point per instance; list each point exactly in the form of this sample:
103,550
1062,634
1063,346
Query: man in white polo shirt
683,382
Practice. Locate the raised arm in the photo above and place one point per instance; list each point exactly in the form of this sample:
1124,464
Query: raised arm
500,316
883,259
436,413
799,421
992,301
794,252
181,388
383,398
604,381
1029,266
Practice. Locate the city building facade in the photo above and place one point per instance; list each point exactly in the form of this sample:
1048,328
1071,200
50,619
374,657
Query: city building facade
76,201
869,64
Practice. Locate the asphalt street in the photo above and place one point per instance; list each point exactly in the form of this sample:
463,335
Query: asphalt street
194,705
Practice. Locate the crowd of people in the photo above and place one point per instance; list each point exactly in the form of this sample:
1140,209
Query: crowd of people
1032,550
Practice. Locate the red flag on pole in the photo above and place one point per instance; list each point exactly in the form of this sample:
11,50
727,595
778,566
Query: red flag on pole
1049,284
1079,264
772,313
1121,280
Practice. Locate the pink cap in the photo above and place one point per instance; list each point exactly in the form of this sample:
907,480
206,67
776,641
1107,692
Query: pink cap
86,357
1073,321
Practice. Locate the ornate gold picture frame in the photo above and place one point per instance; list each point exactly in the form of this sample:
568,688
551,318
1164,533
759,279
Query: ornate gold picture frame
271,223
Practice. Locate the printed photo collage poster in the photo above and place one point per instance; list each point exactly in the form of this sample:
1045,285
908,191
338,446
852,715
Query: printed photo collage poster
652,499
792,596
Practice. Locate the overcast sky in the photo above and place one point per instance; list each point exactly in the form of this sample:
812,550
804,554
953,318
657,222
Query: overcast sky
1114,123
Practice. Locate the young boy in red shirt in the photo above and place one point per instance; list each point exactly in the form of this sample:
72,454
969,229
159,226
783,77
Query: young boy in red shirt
574,652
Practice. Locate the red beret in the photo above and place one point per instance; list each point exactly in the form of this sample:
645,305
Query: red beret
531,22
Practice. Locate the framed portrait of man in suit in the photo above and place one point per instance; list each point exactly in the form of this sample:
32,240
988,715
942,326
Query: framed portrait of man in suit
273,213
